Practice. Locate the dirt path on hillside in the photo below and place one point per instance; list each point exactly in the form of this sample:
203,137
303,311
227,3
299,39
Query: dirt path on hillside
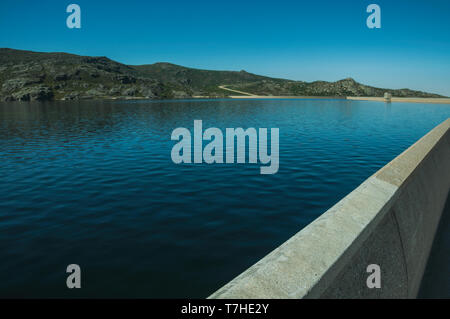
223,87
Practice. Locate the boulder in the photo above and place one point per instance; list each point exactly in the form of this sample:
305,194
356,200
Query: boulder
40,93
130,92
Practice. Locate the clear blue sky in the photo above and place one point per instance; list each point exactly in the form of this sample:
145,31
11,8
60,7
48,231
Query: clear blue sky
300,40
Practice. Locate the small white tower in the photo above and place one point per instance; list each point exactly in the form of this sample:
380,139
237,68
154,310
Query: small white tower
387,97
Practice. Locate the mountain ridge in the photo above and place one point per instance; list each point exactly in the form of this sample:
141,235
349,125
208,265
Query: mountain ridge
27,76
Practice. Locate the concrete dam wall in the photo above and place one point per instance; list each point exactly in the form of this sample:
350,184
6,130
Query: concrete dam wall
390,220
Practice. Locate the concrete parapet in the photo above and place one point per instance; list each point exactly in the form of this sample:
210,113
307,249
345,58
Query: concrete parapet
389,220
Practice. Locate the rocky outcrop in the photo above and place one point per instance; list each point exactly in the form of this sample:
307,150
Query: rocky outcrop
34,93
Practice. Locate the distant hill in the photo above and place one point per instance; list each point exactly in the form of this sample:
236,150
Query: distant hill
26,75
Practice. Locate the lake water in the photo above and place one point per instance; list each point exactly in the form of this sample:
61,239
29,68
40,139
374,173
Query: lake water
93,184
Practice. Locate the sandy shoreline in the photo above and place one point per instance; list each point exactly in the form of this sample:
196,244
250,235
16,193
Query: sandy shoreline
354,98
285,97
274,97
402,99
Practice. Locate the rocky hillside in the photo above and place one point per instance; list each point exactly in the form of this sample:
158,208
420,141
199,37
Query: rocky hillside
44,76
26,75
201,81
345,87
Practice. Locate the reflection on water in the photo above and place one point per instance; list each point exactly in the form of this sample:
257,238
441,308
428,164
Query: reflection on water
92,183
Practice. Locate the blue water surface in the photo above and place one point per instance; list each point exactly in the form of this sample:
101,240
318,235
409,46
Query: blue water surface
92,183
